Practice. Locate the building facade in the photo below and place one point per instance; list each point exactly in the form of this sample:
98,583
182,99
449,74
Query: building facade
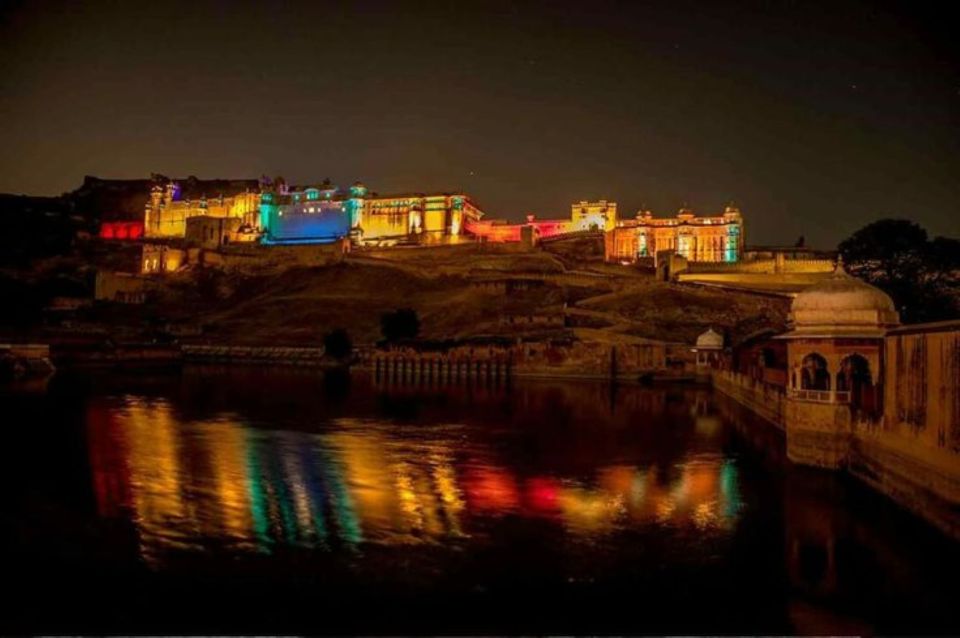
717,238
599,215
585,216
326,213
530,230
281,214
167,212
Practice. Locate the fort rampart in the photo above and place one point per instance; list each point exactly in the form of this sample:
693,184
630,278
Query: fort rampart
765,266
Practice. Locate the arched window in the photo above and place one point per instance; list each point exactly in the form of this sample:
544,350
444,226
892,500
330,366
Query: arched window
854,377
814,374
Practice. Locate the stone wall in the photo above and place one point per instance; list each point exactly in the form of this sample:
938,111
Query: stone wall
911,453
541,358
243,258
253,354
120,287
590,359
925,480
255,259
169,219
532,319
162,258
760,272
443,251
763,399
766,266
211,232
818,433
752,278
922,383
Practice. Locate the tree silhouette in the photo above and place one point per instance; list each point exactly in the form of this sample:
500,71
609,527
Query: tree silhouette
337,344
922,276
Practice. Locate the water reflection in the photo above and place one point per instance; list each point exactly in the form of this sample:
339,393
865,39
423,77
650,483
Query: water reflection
669,506
193,483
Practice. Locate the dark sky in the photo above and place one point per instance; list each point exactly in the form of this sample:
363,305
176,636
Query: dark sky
816,118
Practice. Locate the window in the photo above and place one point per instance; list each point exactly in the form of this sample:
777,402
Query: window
814,374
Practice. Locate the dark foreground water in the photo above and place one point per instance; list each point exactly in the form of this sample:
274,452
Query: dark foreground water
227,500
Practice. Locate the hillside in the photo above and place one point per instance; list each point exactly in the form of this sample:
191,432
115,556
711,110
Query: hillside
453,302
462,291
678,312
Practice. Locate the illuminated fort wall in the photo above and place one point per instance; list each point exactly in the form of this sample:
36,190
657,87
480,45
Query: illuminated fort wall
498,230
216,232
299,219
280,215
166,214
434,218
704,239
584,216
600,215
160,258
328,214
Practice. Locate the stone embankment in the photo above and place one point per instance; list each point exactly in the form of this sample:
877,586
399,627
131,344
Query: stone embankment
886,455
255,354
623,359
762,398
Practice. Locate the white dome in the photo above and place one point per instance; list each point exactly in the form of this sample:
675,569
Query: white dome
710,339
843,292
841,303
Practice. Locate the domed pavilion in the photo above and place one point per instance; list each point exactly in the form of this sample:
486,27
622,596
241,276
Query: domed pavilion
836,339
708,349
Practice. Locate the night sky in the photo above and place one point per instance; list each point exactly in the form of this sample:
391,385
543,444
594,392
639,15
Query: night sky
815,118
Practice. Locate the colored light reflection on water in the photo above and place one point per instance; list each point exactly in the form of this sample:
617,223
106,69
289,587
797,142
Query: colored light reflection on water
187,483
218,493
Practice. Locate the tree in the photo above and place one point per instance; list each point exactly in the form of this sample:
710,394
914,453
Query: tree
922,276
944,256
400,324
337,344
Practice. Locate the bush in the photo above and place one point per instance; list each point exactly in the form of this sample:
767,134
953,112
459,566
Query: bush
400,324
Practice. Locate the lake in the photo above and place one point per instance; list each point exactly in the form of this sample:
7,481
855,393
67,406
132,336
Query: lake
251,499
